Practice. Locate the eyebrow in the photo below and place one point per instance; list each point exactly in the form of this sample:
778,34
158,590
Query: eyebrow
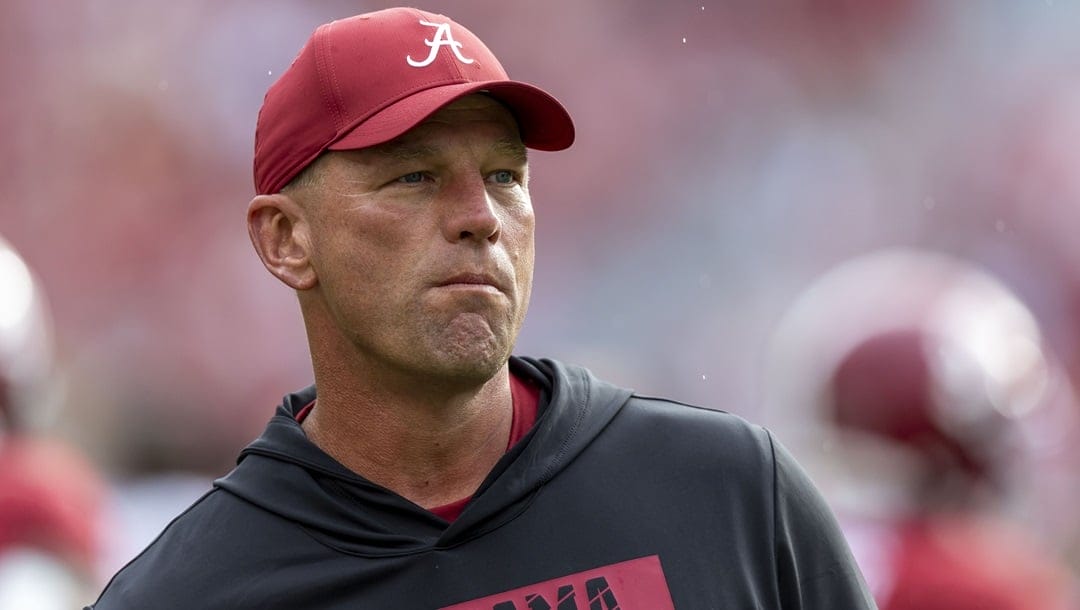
409,151
511,148
405,151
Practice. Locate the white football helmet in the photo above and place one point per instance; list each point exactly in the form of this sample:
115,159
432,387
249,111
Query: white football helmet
26,345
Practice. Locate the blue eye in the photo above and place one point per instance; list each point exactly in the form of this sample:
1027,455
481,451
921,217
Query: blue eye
412,178
504,177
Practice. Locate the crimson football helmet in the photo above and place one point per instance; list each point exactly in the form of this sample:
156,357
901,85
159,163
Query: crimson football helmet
906,367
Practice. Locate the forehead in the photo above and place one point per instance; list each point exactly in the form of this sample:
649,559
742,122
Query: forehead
474,107
428,140
473,116
472,113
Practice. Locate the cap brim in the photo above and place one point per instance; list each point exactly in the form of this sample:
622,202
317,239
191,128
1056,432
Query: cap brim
544,123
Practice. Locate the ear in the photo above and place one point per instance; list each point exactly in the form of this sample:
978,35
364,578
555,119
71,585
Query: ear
280,235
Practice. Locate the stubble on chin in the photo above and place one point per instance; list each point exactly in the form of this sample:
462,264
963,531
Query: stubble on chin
469,349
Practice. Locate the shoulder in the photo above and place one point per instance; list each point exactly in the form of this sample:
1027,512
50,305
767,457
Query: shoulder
722,447
759,482
695,428
712,452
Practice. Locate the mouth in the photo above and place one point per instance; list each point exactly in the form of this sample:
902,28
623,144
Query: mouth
472,281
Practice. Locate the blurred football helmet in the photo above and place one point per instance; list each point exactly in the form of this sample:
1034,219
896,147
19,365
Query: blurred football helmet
26,344
50,494
906,363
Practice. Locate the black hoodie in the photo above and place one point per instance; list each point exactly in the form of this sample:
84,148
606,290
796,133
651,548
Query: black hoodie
612,500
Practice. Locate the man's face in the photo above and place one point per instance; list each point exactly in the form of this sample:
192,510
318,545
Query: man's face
423,246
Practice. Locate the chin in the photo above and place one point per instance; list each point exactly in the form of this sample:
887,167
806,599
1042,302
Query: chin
468,351
470,364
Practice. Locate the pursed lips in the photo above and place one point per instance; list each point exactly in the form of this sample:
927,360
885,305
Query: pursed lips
473,281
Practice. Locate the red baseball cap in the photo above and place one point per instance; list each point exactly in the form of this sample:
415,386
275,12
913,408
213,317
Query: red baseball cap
367,79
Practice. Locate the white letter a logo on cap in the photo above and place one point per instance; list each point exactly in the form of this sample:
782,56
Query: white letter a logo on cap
442,38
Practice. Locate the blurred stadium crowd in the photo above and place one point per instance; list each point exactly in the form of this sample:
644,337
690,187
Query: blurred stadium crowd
854,222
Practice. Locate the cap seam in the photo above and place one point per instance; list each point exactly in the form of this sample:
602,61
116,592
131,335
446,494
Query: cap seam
325,71
450,61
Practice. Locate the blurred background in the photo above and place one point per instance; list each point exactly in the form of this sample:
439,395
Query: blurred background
733,161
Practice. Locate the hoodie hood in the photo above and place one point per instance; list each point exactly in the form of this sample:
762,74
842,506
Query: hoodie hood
286,474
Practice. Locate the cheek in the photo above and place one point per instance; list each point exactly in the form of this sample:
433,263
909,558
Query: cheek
522,251
519,228
357,255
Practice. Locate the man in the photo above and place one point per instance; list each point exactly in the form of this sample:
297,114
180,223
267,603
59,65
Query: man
432,469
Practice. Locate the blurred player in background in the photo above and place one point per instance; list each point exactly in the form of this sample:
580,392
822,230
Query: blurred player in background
946,426
49,494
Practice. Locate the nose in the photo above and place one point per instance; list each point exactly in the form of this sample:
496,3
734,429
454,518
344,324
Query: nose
469,212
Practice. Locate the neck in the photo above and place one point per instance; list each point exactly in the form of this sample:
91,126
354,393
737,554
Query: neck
430,443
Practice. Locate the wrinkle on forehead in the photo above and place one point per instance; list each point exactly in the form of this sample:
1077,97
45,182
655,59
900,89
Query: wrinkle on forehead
472,108
405,150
